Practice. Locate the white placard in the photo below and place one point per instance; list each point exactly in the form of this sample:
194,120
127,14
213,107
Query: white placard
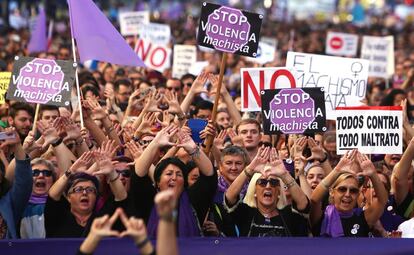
341,44
266,51
371,130
131,21
254,80
343,79
184,57
379,51
159,34
197,67
157,57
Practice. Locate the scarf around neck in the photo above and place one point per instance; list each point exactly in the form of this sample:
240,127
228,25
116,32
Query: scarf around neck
187,220
38,199
331,223
222,186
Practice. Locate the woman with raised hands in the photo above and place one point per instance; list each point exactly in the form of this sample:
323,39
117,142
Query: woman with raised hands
171,174
342,218
264,211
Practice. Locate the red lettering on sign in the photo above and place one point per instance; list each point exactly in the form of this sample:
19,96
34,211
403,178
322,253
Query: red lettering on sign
163,51
336,43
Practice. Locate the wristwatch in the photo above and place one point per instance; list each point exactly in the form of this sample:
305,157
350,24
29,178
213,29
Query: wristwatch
68,173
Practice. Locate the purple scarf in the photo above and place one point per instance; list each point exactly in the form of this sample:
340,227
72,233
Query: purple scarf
38,199
187,219
223,186
331,223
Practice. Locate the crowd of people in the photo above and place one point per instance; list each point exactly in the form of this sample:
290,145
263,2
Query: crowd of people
134,169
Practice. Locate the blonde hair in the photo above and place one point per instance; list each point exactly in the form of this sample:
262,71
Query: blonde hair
250,199
342,178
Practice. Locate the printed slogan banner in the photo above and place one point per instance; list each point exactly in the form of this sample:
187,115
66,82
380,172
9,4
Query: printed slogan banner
379,51
293,111
372,130
254,80
229,30
4,83
341,44
41,81
184,57
343,79
159,34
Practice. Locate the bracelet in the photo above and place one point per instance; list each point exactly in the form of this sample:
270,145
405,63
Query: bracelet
195,153
68,173
291,184
169,218
247,173
142,243
57,142
323,160
114,179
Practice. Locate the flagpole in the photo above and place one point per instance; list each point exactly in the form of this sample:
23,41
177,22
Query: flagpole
76,70
209,141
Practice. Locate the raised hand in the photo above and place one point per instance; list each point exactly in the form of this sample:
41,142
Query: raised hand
163,138
105,165
186,142
135,101
300,145
317,153
30,144
153,101
166,119
134,149
368,168
235,138
165,202
73,132
344,165
172,100
198,85
209,130
102,226
109,148
276,164
259,161
219,139
300,163
214,80
147,122
49,133
82,163
135,228
98,112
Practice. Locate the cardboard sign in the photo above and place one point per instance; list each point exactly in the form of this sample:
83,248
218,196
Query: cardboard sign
343,79
4,84
131,21
159,34
229,30
341,44
41,81
379,51
184,57
157,57
293,111
254,80
372,130
266,51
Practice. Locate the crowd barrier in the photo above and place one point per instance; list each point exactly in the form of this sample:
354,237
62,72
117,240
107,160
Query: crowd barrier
223,246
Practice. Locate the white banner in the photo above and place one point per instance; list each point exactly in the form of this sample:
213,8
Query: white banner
372,130
341,44
159,34
266,51
380,53
157,57
254,80
343,79
184,57
131,21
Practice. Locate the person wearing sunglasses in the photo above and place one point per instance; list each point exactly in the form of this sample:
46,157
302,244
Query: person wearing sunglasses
264,211
33,223
342,218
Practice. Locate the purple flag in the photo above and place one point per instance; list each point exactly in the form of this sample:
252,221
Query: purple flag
38,40
96,38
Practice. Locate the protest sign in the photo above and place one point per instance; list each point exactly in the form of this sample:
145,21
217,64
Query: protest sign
159,34
198,67
379,51
341,44
229,30
41,81
157,57
184,57
343,79
131,21
266,51
293,111
254,80
4,84
372,130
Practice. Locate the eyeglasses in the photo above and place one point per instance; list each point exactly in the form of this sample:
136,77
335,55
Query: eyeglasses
45,173
188,84
80,189
176,88
343,190
144,142
263,182
125,173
